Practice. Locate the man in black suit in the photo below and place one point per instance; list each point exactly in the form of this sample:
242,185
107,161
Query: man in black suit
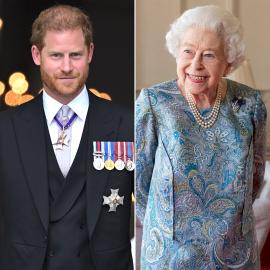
63,205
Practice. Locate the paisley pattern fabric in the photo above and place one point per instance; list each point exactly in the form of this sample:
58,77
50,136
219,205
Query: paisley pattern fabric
195,186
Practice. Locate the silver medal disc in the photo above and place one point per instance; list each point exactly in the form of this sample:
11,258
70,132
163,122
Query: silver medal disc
130,166
98,163
119,164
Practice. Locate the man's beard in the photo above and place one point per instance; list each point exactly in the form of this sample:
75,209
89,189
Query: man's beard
54,85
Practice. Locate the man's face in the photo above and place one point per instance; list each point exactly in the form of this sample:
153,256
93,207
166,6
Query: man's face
64,63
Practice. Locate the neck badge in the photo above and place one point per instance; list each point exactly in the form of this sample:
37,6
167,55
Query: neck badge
63,139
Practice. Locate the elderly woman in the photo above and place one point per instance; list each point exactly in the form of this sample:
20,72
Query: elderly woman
200,152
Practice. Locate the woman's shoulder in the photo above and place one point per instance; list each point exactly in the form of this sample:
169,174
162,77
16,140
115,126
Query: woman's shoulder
240,94
241,90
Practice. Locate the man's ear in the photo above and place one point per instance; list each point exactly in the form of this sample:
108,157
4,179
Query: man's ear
36,54
90,52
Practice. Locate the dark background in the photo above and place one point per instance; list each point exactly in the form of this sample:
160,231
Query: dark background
112,66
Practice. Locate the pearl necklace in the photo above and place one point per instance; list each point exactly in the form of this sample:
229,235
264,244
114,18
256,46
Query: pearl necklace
208,121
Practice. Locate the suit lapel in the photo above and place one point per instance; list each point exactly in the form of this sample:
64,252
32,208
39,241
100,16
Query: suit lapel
102,127
29,128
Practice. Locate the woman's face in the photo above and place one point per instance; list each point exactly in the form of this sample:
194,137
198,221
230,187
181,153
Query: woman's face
201,61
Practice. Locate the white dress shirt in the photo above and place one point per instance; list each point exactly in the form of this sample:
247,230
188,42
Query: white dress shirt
79,105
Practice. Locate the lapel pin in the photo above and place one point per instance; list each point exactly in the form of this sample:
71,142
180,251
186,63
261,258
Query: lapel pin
113,200
237,102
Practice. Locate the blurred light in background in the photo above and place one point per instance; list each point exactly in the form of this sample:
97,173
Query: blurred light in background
19,85
11,98
1,23
100,94
2,88
14,77
25,98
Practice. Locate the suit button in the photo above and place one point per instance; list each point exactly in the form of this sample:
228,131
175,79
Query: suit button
51,253
45,238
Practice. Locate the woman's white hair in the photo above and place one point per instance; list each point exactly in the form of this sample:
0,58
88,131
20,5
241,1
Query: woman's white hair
211,18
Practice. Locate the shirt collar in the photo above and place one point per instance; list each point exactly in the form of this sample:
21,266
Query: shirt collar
79,105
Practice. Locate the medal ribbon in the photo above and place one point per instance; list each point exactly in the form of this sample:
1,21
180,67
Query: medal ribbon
132,151
106,150
116,150
95,147
129,150
125,151
67,125
111,153
121,154
102,149
98,146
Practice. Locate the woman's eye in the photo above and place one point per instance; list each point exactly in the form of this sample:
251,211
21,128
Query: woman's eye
187,51
209,55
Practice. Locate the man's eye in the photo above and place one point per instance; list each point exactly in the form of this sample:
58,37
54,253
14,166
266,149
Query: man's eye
75,55
56,55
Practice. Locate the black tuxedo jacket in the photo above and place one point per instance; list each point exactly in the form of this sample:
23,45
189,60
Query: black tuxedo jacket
24,193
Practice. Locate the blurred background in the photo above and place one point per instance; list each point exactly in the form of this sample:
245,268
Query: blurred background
112,67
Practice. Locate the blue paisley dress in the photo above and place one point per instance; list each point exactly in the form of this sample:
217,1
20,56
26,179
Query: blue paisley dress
194,186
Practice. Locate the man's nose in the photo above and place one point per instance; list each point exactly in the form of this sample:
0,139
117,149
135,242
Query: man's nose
66,64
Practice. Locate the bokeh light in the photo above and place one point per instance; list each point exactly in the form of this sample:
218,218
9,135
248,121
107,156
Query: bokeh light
12,99
18,83
1,23
14,77
25,98
2,88
20,86
100,94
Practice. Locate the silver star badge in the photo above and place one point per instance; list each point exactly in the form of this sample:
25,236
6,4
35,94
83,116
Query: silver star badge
113,200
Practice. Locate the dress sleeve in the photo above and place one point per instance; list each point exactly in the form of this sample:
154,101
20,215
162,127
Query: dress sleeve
259,142
146,144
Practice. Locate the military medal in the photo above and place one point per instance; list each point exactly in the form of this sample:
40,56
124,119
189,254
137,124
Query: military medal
113,200
119,163
98,162
63,139
109,148
130,151
130,166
